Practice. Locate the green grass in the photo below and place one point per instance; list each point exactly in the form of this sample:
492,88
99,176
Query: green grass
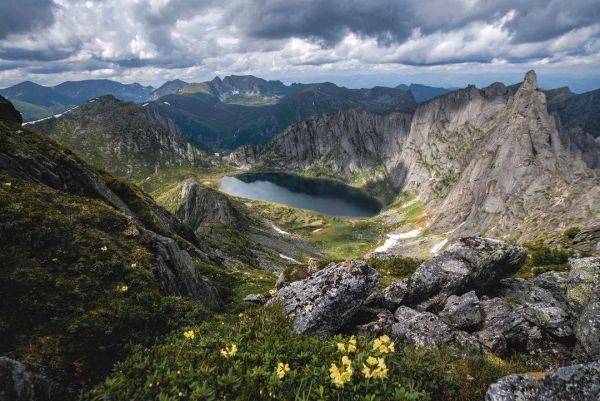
195,369
64,310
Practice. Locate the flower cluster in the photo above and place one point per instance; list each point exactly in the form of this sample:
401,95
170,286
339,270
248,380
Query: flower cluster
229,351
123,288
349,348
341,374
190,335
282,369
374,368
383,345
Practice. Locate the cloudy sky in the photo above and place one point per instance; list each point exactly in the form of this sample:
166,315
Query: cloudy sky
350,42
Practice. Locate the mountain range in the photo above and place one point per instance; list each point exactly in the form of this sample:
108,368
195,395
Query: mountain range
222,113
126,274
496,160
36,101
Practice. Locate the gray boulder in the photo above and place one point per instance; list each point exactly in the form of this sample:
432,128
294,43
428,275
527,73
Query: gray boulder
583,282
462,312
323,302
587,328
391,297
470,263
544,307
259,299
421,328
382,324
569,383
504,326
18,383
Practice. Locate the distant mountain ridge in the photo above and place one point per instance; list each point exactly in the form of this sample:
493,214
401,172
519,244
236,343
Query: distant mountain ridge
422,93
240,110
36,101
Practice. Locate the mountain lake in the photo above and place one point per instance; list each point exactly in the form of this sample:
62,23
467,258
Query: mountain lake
324,196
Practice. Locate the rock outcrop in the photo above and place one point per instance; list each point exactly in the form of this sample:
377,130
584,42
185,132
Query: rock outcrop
18,383
203,205
471,263
569,383
239,236
8,112
462,312
323,302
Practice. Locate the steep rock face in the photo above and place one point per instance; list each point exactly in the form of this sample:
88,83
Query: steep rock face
124,138
29,156
345,142
323,302
496,158
203,205
229,225
8,112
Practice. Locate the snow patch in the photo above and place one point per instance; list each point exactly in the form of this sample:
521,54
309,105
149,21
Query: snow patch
54,116
145,104
392,239
279,230
317,230
282,256
438,247
167,103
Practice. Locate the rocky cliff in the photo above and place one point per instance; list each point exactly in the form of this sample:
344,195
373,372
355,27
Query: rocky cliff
127,139
491,160
344,143
8,112
231,226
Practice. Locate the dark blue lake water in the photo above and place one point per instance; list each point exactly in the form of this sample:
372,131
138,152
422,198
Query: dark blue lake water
324,196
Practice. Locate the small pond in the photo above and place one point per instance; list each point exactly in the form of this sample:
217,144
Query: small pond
328,197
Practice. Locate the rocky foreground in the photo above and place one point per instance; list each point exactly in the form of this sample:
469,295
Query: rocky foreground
464,299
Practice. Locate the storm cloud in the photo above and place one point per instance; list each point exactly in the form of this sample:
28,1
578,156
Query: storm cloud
156,39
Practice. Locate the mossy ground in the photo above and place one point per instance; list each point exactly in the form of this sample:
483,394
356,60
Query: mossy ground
77,291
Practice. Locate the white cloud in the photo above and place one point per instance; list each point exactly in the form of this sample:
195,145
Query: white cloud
154,40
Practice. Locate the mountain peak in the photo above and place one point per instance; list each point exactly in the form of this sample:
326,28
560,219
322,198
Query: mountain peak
530,81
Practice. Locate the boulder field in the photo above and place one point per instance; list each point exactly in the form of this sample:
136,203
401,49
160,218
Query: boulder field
467,299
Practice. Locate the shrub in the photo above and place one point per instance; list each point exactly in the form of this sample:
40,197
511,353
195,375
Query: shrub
207,366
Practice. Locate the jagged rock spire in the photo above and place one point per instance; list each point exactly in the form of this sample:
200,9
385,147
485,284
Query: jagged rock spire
530,81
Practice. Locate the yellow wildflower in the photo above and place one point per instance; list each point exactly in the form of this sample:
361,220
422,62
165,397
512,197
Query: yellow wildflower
272,292
104,248
282,369
375,368
134,265
308,307
190,334
8,184
383,345
352,344
342,374
229,351
349,348
123,288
